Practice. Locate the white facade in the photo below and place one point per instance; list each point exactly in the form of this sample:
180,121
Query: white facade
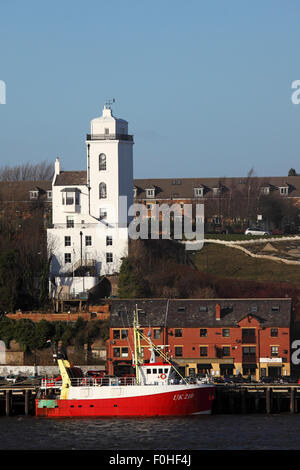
90,209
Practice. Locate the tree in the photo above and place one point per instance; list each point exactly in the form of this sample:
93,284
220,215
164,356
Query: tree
292,172
27,171
130,284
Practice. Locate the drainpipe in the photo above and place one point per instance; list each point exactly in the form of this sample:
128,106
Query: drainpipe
88,176
80,248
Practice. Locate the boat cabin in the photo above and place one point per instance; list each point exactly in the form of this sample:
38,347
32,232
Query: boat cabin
155,373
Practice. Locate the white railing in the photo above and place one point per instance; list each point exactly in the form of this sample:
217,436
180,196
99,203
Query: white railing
90,382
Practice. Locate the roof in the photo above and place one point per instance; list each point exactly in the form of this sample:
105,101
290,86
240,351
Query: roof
168,188
193,313
66,178
19,190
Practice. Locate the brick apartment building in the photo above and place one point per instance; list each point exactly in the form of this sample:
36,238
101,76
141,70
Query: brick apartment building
228,201
220,336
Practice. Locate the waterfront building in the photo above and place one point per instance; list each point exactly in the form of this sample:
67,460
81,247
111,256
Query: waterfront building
89,232
250,337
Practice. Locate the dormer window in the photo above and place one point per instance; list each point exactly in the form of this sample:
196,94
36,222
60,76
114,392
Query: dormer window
265,190
150,192
34,194
134,192
283,190
198,192
216,191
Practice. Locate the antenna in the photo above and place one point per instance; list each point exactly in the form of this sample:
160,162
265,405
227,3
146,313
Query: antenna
109,103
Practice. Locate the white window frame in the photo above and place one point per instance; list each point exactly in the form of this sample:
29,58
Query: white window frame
198,192
150,192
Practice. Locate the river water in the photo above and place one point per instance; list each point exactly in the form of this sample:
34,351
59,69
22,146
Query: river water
207,432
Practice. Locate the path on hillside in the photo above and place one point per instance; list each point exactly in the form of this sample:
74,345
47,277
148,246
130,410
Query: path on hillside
238,245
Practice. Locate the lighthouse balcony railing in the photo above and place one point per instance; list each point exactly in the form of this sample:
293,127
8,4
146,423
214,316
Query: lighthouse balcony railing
126,137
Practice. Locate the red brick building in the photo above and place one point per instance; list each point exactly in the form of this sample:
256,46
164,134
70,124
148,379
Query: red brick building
220,336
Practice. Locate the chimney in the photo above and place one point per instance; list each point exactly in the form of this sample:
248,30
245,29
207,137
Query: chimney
57,167
218,312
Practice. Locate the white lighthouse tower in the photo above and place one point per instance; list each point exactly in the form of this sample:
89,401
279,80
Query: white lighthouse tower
89,236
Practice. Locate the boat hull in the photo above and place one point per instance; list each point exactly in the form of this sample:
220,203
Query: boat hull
173,402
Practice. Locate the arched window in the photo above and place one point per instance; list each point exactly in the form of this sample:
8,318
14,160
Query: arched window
102,191
102,161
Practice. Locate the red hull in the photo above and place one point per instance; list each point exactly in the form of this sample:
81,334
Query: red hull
161,404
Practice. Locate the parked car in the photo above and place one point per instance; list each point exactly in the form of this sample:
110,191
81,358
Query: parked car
11,378
256,231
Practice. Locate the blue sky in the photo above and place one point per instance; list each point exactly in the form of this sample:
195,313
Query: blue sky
205,85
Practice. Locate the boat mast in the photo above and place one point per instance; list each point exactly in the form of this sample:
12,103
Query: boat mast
137,344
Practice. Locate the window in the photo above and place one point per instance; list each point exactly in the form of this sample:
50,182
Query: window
108,240
274,331
49,195
198,192
102,162
178,351
88,240
109,257
253,308
102,191
103,214
284,191
181,309
116,352
134,192
265,190
116,334
178,332
124,334
156,333
68,258
203,351
216,220
248,335
70,197
275,308
70,222
226,332
124,352
274,351
226,350
106,131
150,192
202,308
67,241
34,194
203,332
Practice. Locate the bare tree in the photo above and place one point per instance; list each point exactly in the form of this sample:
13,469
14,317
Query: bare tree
27,172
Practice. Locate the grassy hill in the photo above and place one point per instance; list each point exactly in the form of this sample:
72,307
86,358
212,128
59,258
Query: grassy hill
231,263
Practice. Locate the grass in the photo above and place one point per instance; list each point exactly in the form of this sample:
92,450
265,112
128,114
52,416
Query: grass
225,262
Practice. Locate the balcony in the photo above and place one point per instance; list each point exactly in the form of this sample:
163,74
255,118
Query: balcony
126,137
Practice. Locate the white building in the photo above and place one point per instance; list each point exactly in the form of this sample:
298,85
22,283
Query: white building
90,219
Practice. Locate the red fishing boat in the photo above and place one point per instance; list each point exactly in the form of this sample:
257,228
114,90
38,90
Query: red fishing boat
157,389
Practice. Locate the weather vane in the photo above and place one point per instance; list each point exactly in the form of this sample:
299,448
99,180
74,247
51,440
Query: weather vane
109,103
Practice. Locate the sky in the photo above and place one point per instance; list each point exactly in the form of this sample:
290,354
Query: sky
206,86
